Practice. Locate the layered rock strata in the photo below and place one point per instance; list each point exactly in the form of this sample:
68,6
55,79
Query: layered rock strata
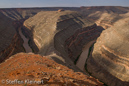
10,43
66,31
24,13
76,42
109,61
105,16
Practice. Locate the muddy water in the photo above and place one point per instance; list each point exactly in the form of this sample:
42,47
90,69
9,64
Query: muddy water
84,55
25,44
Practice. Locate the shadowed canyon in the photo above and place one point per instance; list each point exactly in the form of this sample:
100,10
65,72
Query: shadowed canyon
65,46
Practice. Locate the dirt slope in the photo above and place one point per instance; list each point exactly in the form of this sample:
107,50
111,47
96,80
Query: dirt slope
35,67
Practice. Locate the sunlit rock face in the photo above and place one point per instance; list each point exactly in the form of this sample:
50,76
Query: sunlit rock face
62,34
109,61
105,16
65,31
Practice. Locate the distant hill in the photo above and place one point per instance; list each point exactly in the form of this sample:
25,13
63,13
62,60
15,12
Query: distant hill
103,15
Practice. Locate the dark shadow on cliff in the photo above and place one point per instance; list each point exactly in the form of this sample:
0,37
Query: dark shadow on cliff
56,59
29,34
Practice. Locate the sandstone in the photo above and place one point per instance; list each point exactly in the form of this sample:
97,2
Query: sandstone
60,10
109,61
10,43
105,16
102,15
58,68
65,32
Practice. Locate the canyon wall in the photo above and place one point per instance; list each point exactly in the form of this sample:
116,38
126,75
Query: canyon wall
105,16
72,40
10,43
61,35
24,13
109,61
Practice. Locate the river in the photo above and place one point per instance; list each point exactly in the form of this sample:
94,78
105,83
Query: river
25,44
84,55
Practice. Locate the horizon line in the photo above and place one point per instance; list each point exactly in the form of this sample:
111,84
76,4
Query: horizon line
61,6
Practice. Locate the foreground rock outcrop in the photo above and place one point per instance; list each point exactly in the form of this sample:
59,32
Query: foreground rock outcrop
22,67
109,61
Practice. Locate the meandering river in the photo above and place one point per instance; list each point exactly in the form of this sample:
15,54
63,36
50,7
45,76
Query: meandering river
25,44
84,55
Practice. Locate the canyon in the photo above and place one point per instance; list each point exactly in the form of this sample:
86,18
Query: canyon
63,32
68,36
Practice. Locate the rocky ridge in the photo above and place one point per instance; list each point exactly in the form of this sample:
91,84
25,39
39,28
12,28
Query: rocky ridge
109,60
105,16
34,67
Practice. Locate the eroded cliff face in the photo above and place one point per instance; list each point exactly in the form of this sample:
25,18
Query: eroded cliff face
24,13
19,13
61,35
105,16
76,41
10,38
10,43
109,61
100,15
14,47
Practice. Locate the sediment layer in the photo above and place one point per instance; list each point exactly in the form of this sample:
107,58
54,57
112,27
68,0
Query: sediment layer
109,61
